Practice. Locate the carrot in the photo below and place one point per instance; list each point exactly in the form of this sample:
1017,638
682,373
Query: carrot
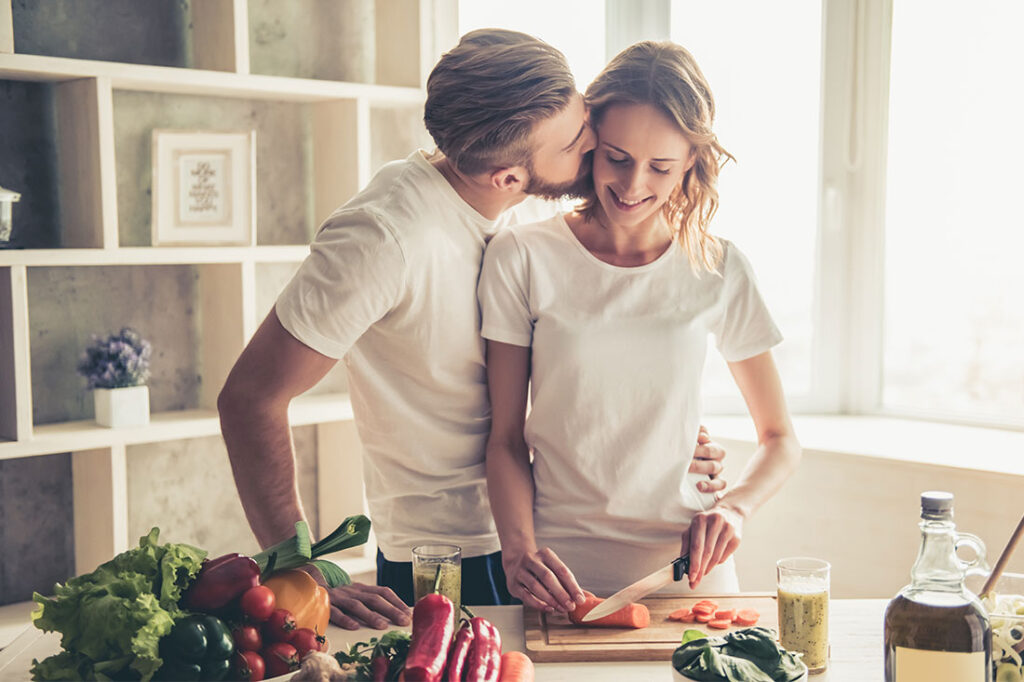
705,617
725,614
746,617
691,617
703,609
515,667
631,616
720,623
679,614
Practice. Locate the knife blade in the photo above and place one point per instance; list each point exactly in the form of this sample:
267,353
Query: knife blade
679,567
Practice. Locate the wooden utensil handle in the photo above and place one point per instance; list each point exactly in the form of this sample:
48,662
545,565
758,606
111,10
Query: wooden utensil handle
1003,559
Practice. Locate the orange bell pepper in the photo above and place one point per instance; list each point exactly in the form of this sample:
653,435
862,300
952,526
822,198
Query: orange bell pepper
298,592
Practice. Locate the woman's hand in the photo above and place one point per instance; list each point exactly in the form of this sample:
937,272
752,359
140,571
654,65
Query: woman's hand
541,580
712,537
707,459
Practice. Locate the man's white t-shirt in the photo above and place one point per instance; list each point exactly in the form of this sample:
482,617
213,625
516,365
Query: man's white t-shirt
390,286
617,357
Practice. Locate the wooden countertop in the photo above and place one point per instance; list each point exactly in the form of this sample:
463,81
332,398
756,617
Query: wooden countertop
855,627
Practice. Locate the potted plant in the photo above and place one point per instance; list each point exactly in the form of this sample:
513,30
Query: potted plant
117,368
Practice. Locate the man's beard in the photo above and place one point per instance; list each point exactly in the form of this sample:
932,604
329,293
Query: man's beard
576,188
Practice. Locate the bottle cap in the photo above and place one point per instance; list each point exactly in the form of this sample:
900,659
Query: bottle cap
937,505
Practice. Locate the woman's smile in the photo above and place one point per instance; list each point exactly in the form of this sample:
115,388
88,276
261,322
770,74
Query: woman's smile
628,205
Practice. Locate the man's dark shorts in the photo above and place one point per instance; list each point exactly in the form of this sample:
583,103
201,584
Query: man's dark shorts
483,580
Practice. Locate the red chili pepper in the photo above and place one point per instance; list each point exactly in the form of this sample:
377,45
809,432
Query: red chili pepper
494,660
460,649
221,580
431,634
479,659
379,668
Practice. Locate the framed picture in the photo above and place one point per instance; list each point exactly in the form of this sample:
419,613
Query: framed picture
204,188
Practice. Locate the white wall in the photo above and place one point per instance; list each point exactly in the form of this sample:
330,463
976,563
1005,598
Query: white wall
860,513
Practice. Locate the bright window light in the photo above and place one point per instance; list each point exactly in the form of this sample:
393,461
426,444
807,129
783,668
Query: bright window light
763,63
954,287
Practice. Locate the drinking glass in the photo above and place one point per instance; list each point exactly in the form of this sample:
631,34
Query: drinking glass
803,585
440,564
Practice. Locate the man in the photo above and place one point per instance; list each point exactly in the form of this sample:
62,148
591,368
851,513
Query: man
390,286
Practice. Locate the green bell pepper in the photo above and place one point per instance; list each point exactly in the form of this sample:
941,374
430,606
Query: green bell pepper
199,647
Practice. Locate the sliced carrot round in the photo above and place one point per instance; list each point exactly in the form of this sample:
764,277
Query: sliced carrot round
705,617
724,614
746,617
703,608
679,614
691,617
720,623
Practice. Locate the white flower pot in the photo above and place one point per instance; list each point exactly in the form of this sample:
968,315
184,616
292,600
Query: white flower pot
117,407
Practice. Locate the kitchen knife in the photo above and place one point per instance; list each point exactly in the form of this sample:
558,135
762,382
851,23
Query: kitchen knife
679,567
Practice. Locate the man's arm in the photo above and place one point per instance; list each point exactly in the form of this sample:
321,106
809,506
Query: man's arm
274,368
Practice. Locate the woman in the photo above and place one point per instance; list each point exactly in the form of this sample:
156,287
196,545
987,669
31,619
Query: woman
604,313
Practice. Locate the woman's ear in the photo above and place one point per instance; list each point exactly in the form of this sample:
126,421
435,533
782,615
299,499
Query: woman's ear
511,179
691,160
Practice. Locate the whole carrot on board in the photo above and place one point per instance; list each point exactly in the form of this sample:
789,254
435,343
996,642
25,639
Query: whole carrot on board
631,616
516,667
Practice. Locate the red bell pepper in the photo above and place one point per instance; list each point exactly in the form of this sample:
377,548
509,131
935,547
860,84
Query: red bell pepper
220,581
431,634
460,649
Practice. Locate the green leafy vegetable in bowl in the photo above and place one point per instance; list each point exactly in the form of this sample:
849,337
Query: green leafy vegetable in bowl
747,655
112,619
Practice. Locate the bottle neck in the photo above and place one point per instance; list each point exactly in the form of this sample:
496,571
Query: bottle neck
937,566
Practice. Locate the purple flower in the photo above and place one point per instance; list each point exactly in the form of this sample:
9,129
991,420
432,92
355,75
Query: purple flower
117,361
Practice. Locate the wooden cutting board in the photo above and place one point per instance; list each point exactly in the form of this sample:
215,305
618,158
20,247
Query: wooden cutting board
551,638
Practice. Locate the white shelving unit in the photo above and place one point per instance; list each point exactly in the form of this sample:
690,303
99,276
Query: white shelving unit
406,37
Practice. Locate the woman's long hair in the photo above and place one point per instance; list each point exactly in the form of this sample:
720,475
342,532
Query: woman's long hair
666,76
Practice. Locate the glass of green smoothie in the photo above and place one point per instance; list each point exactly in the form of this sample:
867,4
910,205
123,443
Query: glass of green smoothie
803,609
440,564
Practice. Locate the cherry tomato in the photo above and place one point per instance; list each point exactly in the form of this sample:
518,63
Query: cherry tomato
258,603
305,640
247,665
247,638
279,627
281,658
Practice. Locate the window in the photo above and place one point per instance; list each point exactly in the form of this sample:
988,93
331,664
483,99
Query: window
901,292
576,27
767,98
954,285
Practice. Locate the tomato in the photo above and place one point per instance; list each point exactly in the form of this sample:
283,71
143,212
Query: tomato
281,658
279,627
258,603
305,640
247,638
247,665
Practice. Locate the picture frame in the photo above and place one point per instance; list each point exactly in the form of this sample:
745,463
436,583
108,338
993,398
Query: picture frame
204,188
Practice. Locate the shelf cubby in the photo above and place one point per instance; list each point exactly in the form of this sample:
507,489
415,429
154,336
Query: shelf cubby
334,90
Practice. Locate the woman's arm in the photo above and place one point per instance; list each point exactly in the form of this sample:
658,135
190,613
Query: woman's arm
715,534
537,577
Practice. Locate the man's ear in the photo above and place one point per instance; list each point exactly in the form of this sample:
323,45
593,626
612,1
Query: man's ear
511,179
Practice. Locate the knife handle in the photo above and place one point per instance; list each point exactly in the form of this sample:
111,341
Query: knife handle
680,567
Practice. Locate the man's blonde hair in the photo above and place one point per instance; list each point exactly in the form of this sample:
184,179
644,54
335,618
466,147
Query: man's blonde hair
666,76
486,94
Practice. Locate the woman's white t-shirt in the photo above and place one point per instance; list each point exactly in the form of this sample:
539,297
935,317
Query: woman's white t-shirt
617,357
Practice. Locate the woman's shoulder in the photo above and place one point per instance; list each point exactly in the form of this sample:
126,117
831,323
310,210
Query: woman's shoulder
533,235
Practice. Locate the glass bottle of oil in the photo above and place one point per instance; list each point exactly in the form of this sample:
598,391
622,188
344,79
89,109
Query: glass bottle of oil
935,630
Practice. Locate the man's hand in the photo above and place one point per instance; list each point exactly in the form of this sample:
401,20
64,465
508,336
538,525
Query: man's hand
707,459
711,539
356,605
541,580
